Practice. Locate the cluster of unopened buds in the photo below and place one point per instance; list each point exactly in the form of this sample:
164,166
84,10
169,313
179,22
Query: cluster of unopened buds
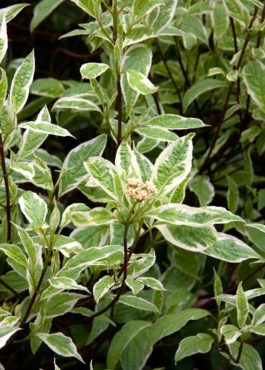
140,190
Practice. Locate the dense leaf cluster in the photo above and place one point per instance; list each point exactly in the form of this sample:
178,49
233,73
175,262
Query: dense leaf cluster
132,188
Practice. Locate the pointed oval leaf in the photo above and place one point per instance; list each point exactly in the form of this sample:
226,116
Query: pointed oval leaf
200,343
93,70
73,170
173,164
121,340
34,208
140,83
102,287
60,344
19,90
201,87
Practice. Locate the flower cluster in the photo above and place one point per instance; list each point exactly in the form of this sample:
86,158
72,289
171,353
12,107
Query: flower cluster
140,190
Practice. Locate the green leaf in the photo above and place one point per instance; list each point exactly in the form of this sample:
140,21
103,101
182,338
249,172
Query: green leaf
220,20
181,214
242,306
67,246
47,128
192,25
137,57
232,195
166,13
61,303
48,87
94,217
76,103
201,87
249,359
34,252
203,189
254,79
25,169
6,333
137,34
15,258
200,343
3,37
132,163
230,332
173,164
151,283
73,171
60,344
135,285
10,12
65,283
237,11
139,349
139,303
231,249
259,330
105,175
19,90
42,10
218,289
3,86
31,140
34,209
121,340
174,122
66,218
259,315
102,287
93,70
157,133
143,8
172,323
195,239
88,6
140,83
93,256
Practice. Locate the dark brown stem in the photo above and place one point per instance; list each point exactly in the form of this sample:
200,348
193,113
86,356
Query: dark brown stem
119,109
207,159
35,295
247,38
232,23
239,352
156,100
115,300
170,75
9,287
5,176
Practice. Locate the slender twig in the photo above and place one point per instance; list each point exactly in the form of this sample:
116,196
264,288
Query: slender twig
35,295
121,288
5,177
247,37
170,75
118,72
239,352
232,23
218,129
205,164
119,109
